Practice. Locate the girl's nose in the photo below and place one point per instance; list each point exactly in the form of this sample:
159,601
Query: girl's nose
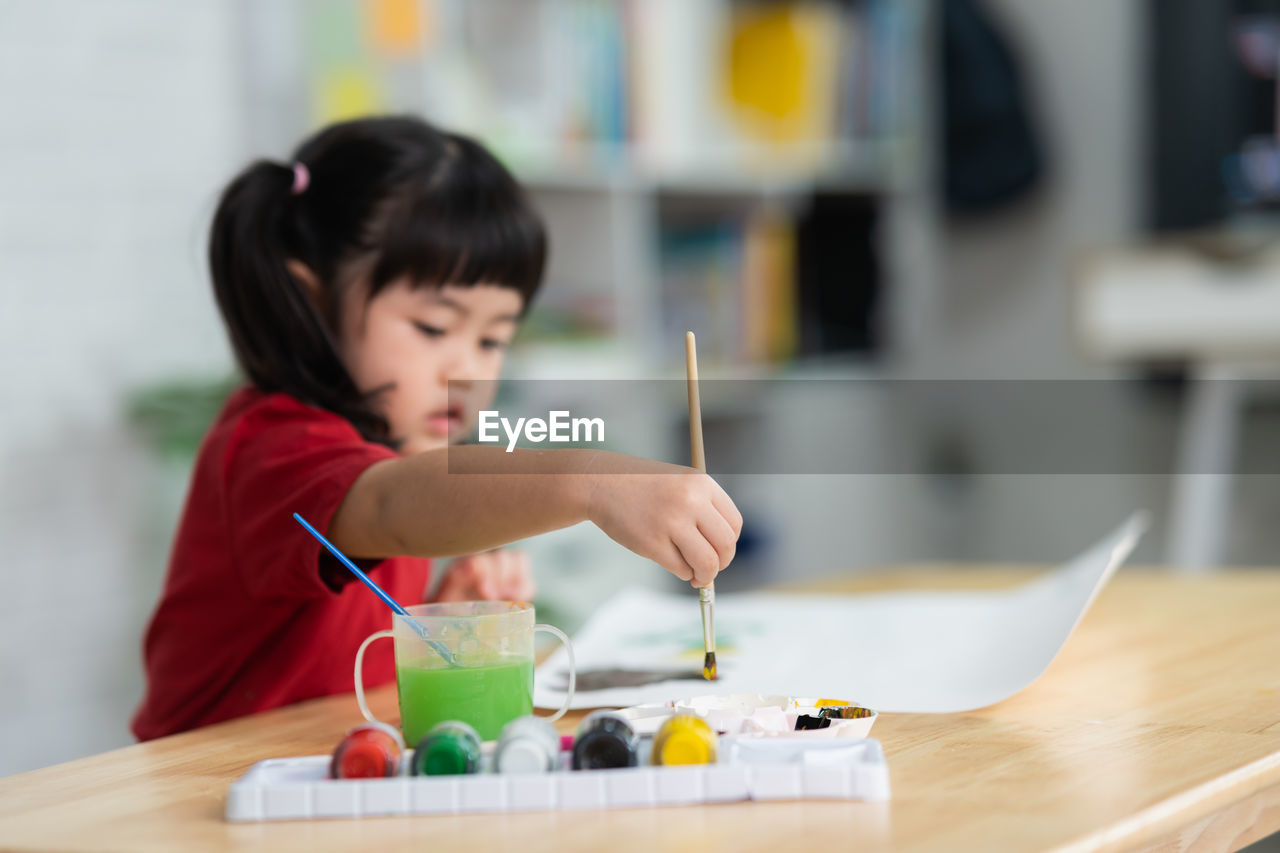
459,364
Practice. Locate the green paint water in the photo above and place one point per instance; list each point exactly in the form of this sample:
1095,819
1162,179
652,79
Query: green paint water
487,697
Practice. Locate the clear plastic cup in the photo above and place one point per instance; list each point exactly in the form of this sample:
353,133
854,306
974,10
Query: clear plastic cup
489,681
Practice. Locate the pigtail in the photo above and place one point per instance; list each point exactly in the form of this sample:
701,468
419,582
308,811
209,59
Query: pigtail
277,333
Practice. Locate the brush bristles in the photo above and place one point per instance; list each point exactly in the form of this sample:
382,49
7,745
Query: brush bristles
709,666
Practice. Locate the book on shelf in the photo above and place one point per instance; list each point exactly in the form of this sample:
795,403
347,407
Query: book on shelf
733,282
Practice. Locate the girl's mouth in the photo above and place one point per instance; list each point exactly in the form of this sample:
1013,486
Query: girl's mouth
445,422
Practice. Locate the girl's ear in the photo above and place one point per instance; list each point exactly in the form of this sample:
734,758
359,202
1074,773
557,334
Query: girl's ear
308,281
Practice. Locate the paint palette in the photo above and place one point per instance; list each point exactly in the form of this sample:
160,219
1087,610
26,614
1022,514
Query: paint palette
757,714
797,767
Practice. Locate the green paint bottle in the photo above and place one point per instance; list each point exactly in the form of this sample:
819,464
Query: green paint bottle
450,748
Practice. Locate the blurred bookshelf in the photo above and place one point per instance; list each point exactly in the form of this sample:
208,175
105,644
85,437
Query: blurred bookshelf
697,160
757,171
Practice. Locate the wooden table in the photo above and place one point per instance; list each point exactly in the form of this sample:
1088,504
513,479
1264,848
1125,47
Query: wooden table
1158,726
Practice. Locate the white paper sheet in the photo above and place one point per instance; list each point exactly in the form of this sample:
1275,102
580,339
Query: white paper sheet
936,652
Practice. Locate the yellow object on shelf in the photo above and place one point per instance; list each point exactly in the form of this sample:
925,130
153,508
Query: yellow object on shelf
781,71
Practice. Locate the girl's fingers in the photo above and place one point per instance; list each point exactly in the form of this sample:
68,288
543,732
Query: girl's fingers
457,583
698,555
511,576
670,558
509,569
725,506
528,589
717,531
489,576
522,578
478,578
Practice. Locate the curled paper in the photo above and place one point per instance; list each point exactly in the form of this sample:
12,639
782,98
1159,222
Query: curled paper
917,651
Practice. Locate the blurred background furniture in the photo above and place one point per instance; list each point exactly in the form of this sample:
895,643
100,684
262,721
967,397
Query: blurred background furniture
1220,318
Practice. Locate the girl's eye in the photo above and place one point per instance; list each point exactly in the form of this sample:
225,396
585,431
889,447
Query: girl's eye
491,344
429,331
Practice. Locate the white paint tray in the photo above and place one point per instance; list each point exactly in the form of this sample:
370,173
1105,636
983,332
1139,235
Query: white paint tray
751,768
756,714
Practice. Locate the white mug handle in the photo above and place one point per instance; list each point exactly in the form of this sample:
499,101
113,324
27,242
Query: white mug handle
573,670
364,707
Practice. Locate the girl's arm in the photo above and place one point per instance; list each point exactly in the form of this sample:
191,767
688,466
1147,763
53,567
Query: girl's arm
427,505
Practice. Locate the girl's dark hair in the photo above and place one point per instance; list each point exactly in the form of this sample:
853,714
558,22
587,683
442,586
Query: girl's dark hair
387,197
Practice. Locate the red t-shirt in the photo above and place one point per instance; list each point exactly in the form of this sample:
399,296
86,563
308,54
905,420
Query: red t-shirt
248,619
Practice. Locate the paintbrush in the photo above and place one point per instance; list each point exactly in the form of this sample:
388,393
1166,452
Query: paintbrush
706,595
439,647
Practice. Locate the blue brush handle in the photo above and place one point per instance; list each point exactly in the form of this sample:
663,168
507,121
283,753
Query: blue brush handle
439,647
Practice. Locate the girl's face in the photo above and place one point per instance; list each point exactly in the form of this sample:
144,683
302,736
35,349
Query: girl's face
413,341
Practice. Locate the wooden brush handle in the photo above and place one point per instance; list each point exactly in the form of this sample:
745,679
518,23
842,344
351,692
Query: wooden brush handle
706,594
695,404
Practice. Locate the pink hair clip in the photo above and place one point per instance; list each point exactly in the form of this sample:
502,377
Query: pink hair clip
301,178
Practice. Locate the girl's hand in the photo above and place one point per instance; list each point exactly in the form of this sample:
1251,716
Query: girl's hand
678,517
502,575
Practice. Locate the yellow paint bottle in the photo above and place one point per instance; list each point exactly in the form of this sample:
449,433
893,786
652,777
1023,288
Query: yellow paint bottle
684,739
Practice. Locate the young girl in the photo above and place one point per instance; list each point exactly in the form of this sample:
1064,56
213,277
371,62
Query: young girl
388,258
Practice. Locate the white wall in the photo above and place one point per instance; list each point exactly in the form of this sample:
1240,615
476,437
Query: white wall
120,125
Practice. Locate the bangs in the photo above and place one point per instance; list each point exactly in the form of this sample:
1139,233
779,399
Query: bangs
469,224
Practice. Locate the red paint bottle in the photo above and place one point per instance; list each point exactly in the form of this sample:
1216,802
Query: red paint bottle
369,751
